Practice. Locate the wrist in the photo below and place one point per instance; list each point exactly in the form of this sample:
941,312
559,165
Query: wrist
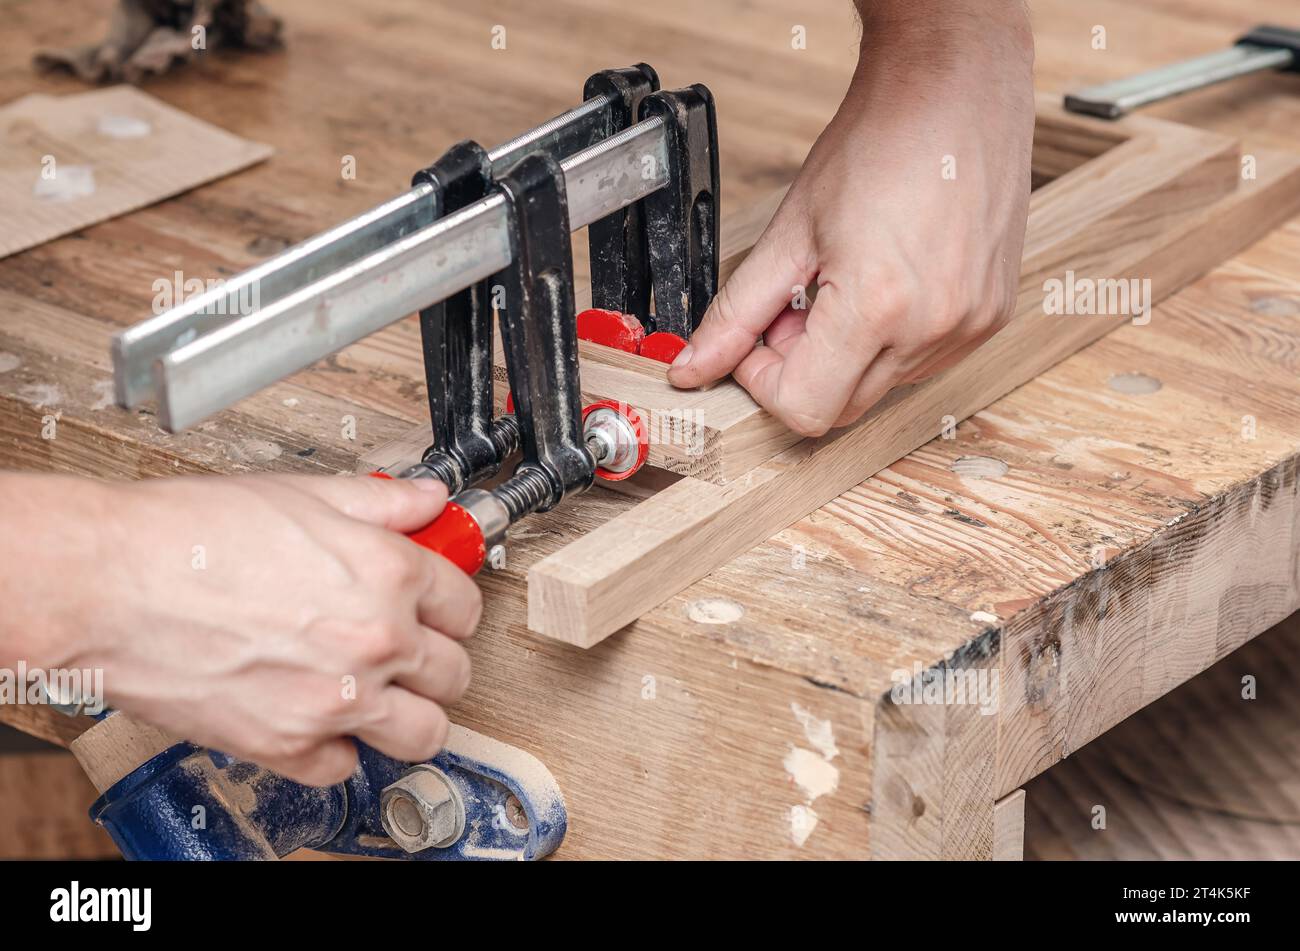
939,36
54,562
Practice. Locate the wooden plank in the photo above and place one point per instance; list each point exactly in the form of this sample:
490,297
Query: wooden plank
935,753
70,161
1182,583
615,573
1087,657
44,722
1009,828
116,745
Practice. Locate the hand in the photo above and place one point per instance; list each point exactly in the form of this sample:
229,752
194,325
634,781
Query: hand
909,214
270,617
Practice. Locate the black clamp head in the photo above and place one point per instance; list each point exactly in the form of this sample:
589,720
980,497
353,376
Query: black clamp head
456,335
681,219
1281,37
540,340
620,268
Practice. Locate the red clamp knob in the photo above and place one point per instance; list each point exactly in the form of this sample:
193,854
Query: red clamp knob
662,346
624,332
610,328
454,534
621,432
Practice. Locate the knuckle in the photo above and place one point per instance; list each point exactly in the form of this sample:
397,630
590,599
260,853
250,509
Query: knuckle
281,747
461,601
393,562
337,705
378,641
380,561
891,295
931,334
460,675
326,772
439,727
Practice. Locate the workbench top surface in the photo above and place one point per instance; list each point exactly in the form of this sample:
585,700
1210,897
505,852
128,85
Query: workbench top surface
949,544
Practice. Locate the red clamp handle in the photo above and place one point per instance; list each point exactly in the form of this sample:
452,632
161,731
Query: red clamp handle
453,534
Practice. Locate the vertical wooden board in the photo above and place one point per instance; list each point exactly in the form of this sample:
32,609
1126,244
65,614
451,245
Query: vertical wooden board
908,788
1009,828
676,746
1102,628
1230,575
935,760
970,764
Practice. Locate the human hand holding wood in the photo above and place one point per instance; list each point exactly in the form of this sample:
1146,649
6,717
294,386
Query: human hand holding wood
909,216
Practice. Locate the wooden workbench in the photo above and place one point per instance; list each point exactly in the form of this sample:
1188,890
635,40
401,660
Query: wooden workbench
749,714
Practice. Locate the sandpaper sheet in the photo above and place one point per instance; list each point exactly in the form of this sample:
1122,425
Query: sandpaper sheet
71,161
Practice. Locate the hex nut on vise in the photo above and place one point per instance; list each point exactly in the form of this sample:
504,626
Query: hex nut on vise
422,810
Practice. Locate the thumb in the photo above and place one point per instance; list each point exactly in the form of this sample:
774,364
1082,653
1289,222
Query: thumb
401,505
760,289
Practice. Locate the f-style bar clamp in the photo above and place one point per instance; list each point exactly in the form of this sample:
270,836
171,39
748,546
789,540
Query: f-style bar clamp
1265,47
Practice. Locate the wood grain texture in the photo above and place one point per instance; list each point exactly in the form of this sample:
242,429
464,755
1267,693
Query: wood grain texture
719,434
1209,771
45,799
1009,827
904,568
1113,217
116,745
45,723
71,161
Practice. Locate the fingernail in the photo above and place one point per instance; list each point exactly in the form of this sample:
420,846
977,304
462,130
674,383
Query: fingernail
426,484
684,357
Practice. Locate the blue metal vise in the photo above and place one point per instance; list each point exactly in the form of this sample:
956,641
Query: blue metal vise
478,799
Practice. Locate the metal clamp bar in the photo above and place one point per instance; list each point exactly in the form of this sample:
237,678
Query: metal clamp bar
240,357
578,129
137,348
1262,48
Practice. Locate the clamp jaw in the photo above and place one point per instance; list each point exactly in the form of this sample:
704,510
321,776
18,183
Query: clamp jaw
665,245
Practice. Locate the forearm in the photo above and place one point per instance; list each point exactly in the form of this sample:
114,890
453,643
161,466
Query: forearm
54,538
